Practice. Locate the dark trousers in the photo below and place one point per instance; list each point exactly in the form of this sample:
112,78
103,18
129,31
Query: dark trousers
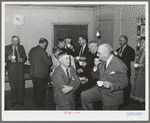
39,90
127,90
17,82
91,95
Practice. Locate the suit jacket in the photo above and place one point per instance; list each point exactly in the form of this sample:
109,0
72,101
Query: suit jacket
9,51
40,62
116,73
128,55
89,60
59,78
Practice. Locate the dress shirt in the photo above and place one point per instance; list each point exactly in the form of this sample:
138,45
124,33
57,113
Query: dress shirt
108,61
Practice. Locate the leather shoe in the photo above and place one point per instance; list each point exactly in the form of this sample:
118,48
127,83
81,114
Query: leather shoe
21,103
13,105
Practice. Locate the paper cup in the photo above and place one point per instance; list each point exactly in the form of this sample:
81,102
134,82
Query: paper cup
77,57
135,65
13,57
68,45
100,83
115,53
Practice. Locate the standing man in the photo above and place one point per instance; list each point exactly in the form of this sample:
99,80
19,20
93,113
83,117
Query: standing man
111,73
39,70
127,55
15,57
65,83
86,56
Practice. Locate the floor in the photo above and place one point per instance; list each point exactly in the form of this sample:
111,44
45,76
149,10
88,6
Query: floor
29,105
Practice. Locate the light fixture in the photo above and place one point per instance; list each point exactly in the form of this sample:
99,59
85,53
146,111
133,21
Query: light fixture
98,32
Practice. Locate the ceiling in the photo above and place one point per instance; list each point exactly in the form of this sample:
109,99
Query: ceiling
58,5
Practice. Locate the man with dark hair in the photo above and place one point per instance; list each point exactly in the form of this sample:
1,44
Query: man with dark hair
61,44
111,73
127,55
65,83
39,70
15,57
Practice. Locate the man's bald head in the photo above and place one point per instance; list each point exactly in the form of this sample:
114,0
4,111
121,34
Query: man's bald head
105,51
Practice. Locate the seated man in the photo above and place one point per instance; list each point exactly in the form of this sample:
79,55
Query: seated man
65,83
112,73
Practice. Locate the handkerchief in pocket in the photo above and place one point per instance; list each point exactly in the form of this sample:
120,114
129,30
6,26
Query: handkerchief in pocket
112,72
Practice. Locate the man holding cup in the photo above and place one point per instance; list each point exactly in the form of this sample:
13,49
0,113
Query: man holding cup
112,75
15,56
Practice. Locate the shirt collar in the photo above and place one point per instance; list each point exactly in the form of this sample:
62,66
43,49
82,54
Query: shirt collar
64,68
108,61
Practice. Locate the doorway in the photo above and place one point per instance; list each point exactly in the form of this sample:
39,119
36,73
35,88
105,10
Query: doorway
74,30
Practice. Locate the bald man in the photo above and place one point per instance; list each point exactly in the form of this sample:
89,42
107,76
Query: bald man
15,57
65,83
112,75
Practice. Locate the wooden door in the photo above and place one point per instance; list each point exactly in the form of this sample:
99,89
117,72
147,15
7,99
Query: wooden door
73,30
106,28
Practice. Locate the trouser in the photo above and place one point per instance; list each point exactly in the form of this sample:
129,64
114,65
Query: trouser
91,95
39,90
17,82
127,90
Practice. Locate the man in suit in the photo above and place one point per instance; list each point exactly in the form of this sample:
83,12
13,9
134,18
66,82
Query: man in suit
39,70
15,57
65,83
127,55
112,73
86,56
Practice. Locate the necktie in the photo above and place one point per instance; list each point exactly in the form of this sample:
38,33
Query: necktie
16,54
120,51
81,51
68,73
105,65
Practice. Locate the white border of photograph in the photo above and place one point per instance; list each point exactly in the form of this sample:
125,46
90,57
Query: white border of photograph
77,115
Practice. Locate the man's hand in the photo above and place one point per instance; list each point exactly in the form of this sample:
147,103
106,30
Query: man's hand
107,84
96,61
67,89
9,57
80,70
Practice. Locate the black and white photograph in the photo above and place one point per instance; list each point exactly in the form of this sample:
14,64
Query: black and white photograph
75,61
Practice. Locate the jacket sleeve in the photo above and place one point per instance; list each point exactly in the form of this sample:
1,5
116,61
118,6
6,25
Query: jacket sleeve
57,80
24,55
47,59
121,80
6,53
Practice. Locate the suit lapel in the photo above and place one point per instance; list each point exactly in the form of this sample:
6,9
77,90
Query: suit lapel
64,75
110,66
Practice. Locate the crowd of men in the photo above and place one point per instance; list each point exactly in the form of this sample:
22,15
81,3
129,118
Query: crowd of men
90,73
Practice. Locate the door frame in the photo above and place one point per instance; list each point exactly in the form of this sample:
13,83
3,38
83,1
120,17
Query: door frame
66,23
106,18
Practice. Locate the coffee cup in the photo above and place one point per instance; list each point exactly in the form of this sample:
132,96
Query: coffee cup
68,45
100,83
135,65
13,57
77,57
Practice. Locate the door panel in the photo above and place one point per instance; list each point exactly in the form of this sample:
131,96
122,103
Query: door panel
73,30
106,28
